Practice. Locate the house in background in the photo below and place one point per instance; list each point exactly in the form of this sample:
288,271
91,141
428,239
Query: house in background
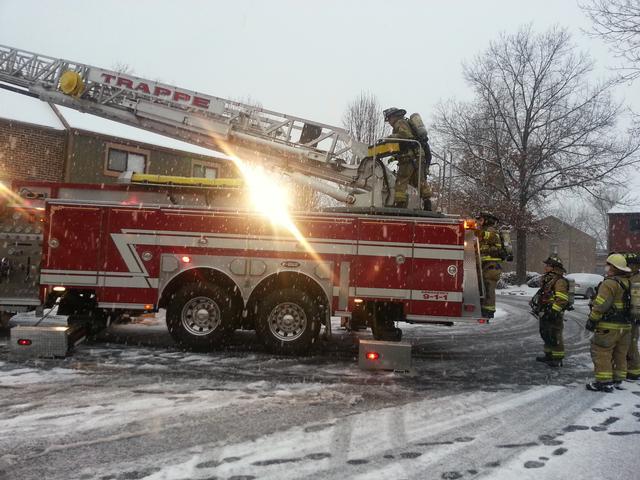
39,141
624,229
576,248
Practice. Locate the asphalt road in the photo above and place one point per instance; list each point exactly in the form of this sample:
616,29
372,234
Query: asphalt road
131,406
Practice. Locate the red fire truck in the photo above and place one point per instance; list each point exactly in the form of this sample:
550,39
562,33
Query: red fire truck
196,247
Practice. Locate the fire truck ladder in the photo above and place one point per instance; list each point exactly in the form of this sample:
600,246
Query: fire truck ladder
314,154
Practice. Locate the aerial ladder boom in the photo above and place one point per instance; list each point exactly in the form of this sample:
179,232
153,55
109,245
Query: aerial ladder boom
309,152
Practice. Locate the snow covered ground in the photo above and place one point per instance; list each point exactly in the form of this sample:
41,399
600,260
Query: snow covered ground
475,405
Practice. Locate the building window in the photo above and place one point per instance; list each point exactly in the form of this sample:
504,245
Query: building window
634,224
201,170
120,160
554,249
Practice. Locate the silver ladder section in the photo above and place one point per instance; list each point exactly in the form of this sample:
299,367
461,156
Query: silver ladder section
248,131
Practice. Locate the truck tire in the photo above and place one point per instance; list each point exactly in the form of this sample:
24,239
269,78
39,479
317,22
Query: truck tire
201,316
288,321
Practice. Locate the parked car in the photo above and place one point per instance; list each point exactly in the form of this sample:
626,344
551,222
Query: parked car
535,282
586,283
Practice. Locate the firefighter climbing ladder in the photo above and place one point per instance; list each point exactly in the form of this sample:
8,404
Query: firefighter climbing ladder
311,153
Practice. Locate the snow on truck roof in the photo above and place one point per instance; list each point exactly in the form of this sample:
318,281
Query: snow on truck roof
22,108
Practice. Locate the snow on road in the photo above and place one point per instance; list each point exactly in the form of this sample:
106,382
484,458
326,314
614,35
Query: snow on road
475,405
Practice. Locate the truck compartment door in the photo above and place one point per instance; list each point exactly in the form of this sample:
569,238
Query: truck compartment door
73,243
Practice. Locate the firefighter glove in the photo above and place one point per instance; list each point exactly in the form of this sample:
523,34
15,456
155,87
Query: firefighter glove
590,325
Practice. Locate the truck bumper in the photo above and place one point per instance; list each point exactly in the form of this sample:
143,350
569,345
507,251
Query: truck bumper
51,338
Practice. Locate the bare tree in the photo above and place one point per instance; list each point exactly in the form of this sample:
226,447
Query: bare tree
535,127
617,22
123,68
592,216
603,200
363,119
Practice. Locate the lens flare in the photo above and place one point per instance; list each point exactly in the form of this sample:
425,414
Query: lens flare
271,197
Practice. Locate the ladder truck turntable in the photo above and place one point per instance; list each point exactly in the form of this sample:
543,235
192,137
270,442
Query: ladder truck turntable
191,246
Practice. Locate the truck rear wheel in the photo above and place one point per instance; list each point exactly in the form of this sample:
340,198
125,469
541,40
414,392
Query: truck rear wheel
201,316
288,321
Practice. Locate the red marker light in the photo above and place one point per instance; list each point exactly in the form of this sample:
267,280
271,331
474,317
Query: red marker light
24,342
186,259
372,355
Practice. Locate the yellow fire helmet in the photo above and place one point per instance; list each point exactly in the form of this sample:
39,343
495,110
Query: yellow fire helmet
618,261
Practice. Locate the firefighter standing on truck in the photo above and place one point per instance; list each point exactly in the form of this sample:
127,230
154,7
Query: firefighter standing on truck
610,322
633,356
548,304
491,254
408,159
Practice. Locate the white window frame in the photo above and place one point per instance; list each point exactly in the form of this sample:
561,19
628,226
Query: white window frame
205,166
129,150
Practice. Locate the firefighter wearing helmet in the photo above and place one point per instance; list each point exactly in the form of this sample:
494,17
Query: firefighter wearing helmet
548,304
491,255
610,322
633,356
407,160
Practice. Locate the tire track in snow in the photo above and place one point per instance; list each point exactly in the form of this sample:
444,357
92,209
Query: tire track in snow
371,435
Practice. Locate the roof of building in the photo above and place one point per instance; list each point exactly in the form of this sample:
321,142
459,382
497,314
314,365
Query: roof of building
625,209
22,108
552,218
25,109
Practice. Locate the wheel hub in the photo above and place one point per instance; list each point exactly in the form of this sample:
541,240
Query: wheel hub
201,316
287,321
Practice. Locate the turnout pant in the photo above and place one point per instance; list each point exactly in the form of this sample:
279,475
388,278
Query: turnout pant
408,175
609,348
491,274
551,333
633,356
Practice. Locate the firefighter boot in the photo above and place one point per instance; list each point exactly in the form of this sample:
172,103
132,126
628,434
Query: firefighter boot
544,358
400,204
487,313
617,384
426,204
605,387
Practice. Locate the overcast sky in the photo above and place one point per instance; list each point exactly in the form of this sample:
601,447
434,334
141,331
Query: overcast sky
299,57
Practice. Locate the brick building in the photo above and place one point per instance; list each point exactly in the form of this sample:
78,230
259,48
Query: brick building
31,151
39,141
576,248
624,229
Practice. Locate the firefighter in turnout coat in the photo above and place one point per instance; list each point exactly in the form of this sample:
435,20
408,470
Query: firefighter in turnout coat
633,356
610,322
549,304
407,160
491,254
